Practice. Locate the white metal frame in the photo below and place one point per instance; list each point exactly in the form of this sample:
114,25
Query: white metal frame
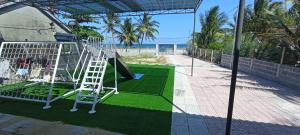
53,45
111,51
95,48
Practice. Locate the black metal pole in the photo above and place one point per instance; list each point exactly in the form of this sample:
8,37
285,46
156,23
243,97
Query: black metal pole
238,35
193,43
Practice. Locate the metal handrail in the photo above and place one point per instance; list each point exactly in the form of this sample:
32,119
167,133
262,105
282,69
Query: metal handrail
104,50
100,54
74,79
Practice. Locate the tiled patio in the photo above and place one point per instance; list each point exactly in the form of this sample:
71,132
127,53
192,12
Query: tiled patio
261,106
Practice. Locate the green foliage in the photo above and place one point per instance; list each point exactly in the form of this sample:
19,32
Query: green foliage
211,31
269,21
80,18
248,46
216,46
83,32
128,33
112,22
269,53
147,28
268,26
228,44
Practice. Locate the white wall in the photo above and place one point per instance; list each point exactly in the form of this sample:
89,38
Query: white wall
25,22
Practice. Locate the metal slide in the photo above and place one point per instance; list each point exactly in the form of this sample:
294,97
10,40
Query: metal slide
122,67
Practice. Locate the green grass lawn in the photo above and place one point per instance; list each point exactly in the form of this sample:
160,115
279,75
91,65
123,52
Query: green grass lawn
142,107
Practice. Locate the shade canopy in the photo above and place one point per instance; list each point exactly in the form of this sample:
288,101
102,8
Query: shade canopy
123,7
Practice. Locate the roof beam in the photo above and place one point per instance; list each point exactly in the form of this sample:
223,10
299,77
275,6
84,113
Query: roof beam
104,3
107,5
158,4
132,5
90,8
198,5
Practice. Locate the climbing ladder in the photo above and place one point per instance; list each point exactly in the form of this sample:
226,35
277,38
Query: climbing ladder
91,90
92,83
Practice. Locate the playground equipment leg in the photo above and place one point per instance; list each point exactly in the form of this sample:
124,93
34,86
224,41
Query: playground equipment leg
74,109
92,111
116,75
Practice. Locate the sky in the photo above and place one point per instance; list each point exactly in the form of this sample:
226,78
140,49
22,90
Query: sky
178,28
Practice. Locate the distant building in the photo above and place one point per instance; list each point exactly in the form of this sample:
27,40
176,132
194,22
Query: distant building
20,22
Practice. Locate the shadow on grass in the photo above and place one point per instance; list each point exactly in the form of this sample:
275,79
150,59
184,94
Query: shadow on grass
143,106
108,117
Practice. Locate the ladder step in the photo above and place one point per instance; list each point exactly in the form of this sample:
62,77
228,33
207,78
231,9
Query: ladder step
94,71
88,96
97,66
88,89
89,83
91,77
95,61
85,102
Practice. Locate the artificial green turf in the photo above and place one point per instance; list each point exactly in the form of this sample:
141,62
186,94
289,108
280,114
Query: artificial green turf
142,107
40,90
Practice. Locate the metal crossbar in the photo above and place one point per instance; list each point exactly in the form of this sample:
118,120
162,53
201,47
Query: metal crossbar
121,7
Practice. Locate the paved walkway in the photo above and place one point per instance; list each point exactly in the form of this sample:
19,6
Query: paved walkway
261,106
186,118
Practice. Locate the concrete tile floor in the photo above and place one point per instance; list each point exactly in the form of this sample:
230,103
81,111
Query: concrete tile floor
261,106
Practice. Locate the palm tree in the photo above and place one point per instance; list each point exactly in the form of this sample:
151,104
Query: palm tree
270,22
147,28
112,22
292,28
79,29
273,25
212,23
258,22
81,18
127,34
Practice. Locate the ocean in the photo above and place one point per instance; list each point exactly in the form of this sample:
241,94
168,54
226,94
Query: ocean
152,46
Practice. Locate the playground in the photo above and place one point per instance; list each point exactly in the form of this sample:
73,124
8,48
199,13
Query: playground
99,67
89,83
138,104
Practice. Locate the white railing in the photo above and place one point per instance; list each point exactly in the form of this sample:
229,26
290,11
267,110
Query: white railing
85,52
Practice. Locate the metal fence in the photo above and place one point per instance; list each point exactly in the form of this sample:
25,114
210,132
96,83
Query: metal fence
284,74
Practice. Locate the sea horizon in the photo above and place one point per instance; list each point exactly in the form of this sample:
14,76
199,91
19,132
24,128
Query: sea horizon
150,46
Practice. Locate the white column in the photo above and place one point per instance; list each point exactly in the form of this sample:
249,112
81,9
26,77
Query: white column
157,49
175,49
281,61
211,55
251,64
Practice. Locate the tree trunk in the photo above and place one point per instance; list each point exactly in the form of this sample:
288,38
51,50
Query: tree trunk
140,46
